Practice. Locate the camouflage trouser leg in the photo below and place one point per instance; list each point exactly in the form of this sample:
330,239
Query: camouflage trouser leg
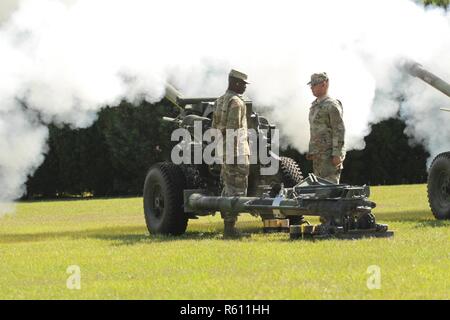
235,181
324,168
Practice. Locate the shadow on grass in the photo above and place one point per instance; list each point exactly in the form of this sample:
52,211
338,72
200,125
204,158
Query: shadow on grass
73,199
196,235
131,235
75,234
433,224
119,235
420,217
127,239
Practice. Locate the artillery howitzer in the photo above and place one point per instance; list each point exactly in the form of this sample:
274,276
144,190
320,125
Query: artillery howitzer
175,193
439,174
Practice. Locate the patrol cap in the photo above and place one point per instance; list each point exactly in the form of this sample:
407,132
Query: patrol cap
317,78
238,75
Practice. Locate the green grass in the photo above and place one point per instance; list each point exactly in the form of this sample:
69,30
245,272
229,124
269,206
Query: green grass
119,260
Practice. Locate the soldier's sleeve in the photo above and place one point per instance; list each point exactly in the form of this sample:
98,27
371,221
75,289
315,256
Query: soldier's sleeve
337,129
234,119
312,144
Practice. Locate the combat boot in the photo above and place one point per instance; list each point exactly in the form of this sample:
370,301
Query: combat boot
230,231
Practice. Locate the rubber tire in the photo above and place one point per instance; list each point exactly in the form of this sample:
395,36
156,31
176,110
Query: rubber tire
291,175
438,175
170,180
290,171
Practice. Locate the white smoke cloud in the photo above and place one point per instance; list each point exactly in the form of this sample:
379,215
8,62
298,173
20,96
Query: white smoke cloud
65,60
6,7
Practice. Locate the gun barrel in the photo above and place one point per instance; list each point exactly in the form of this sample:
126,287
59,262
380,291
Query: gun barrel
172,94
168,119
283,206
185,101
417,70
199,202
175,96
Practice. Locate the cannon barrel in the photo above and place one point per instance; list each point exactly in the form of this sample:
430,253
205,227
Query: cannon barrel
280,206
417,70
185,101
244,204
175,96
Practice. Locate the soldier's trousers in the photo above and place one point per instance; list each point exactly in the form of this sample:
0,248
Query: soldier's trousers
324,168
235,183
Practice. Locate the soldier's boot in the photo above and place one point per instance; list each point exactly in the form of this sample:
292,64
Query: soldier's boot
230,231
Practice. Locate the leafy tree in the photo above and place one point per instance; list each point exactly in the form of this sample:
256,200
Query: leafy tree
440,3
136,138
109,158
389,158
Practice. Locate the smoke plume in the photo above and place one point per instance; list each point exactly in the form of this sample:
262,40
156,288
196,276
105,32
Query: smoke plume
62,61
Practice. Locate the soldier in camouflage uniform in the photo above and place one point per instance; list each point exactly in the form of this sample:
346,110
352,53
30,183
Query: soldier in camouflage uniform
230,114
327,146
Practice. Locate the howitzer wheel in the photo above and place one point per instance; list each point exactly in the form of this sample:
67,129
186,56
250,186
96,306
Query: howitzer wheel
439,186
163,200
291,174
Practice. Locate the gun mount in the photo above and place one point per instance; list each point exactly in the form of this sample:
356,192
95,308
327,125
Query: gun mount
344,211
439,173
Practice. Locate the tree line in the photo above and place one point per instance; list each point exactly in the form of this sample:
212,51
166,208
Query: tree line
441,3
108,159
112,157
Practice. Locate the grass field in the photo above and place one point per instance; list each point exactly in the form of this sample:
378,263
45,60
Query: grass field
108,240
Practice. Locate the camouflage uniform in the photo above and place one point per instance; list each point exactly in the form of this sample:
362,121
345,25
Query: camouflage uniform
231,113
327,137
